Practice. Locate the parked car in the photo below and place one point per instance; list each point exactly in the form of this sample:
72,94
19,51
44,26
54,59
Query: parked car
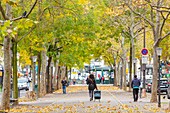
163,85
23,84
148,85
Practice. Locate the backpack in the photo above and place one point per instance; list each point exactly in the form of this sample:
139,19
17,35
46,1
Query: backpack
91,86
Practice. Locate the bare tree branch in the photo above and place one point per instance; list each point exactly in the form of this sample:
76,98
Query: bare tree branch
27,33
161,10
160,39
26,16
168,8
142,16
140,34
3,12
165,35
163,23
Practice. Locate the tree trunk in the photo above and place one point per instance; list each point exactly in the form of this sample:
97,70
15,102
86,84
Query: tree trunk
130,70
50,76
124,71
38,75
119,74
14,60
156,34
63,72
54,76
5,105
155,77
115,74
33,75
43,77
58,78
66,74
47,77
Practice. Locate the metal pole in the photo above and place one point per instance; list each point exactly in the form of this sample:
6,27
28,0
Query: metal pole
159,96
141,77
144,66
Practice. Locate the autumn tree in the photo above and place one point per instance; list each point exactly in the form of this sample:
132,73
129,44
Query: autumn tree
155,14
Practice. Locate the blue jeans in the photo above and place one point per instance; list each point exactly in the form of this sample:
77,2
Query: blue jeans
64,89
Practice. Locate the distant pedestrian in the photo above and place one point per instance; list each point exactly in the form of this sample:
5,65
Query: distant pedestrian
74,81
135,85
64,85
91,85
102,79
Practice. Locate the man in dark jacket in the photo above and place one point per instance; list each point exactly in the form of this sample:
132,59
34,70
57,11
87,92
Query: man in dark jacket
64,84
135,85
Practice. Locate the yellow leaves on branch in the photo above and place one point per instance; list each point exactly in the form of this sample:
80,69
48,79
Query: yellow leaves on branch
116,10
10,2
83,2
24,55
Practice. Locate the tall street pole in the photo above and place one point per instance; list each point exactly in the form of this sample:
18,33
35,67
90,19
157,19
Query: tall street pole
159,52
159,90
144,65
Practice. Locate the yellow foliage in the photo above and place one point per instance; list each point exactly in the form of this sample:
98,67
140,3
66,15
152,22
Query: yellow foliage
83,2
25,57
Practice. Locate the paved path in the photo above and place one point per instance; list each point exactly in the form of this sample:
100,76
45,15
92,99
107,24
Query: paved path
79,102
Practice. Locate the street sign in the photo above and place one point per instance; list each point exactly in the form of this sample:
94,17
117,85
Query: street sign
144,51
144,59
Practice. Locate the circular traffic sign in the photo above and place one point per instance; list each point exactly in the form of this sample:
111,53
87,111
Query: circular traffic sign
144,51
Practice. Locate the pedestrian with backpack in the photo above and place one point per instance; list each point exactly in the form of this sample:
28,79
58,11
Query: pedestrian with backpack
91,85
135,85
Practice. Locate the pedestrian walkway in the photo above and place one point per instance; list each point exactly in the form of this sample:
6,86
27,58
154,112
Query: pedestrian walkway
77,101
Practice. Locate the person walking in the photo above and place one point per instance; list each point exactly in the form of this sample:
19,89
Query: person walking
91,85
135,85
64,85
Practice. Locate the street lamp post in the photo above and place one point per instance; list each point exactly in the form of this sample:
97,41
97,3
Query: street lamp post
34,58
159,52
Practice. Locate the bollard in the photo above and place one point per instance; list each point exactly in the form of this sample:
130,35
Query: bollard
143,93
140,92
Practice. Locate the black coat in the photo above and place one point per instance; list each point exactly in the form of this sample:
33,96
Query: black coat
91,81
64,83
